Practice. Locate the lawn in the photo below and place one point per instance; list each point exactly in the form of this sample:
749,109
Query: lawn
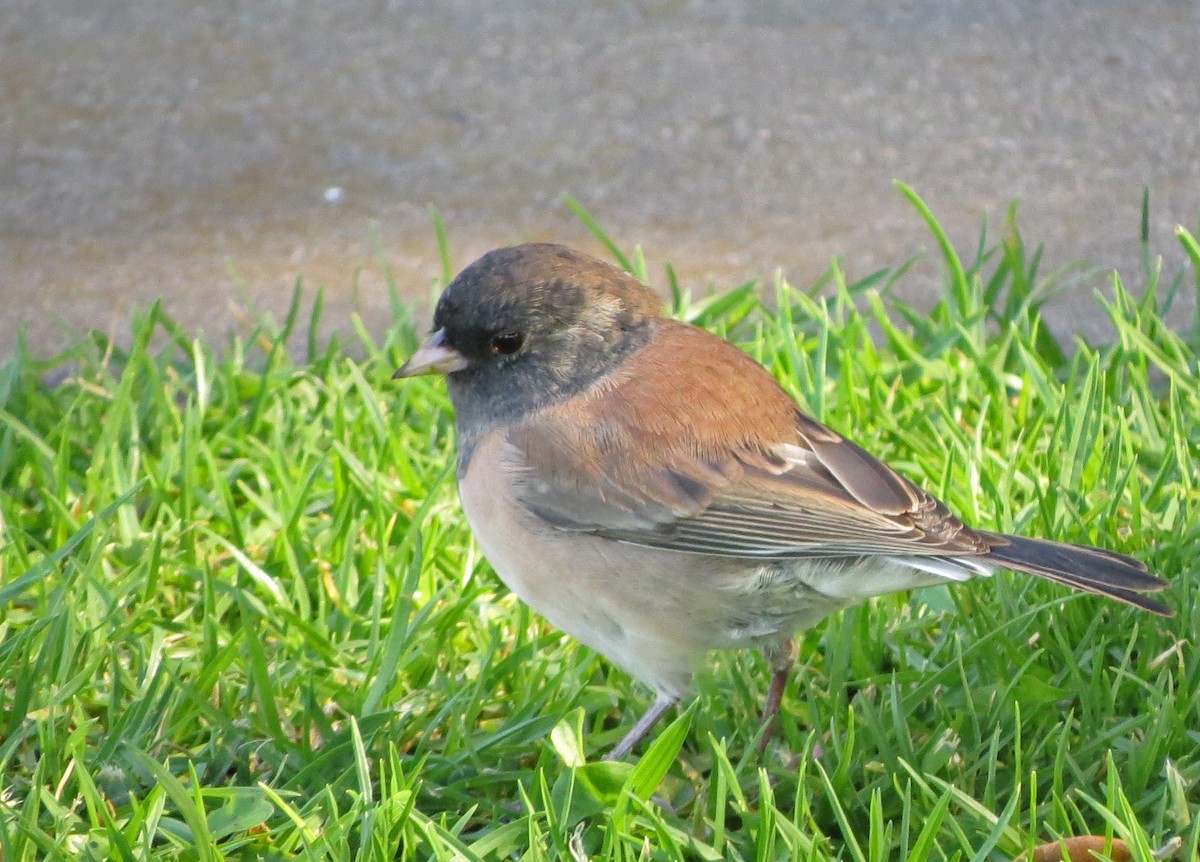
242,617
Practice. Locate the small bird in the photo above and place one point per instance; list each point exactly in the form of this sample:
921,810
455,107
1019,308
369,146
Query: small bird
652,491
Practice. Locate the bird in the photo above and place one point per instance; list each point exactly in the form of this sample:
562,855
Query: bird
652,491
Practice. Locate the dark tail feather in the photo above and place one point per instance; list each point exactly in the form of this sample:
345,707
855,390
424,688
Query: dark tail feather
1091,569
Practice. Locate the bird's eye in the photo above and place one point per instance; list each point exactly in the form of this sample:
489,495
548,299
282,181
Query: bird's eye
507,342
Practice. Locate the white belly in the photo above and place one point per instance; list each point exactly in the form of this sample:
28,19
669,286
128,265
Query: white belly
656,612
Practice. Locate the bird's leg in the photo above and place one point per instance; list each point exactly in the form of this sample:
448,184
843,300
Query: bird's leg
649,718
781,657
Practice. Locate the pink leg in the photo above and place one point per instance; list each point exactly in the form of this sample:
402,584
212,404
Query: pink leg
650,718
781,657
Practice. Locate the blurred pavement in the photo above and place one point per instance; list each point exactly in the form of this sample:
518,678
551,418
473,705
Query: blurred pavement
195,151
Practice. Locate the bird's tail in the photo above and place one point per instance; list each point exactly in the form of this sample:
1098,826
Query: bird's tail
1091,569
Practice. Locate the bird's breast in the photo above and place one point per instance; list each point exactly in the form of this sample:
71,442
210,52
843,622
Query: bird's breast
654,612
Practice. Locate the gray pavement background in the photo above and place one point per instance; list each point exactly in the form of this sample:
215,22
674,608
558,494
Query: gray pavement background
152,149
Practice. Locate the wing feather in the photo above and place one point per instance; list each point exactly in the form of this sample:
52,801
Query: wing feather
696,465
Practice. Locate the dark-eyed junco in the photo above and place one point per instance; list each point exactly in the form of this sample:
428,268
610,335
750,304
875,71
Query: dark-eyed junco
652,491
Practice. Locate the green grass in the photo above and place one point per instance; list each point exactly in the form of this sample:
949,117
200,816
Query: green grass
241,616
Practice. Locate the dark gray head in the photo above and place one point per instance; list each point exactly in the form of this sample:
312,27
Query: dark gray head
526,326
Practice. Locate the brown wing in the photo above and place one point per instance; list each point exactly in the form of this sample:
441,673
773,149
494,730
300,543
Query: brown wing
712,456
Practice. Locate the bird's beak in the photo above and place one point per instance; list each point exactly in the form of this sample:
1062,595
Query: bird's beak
433,357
